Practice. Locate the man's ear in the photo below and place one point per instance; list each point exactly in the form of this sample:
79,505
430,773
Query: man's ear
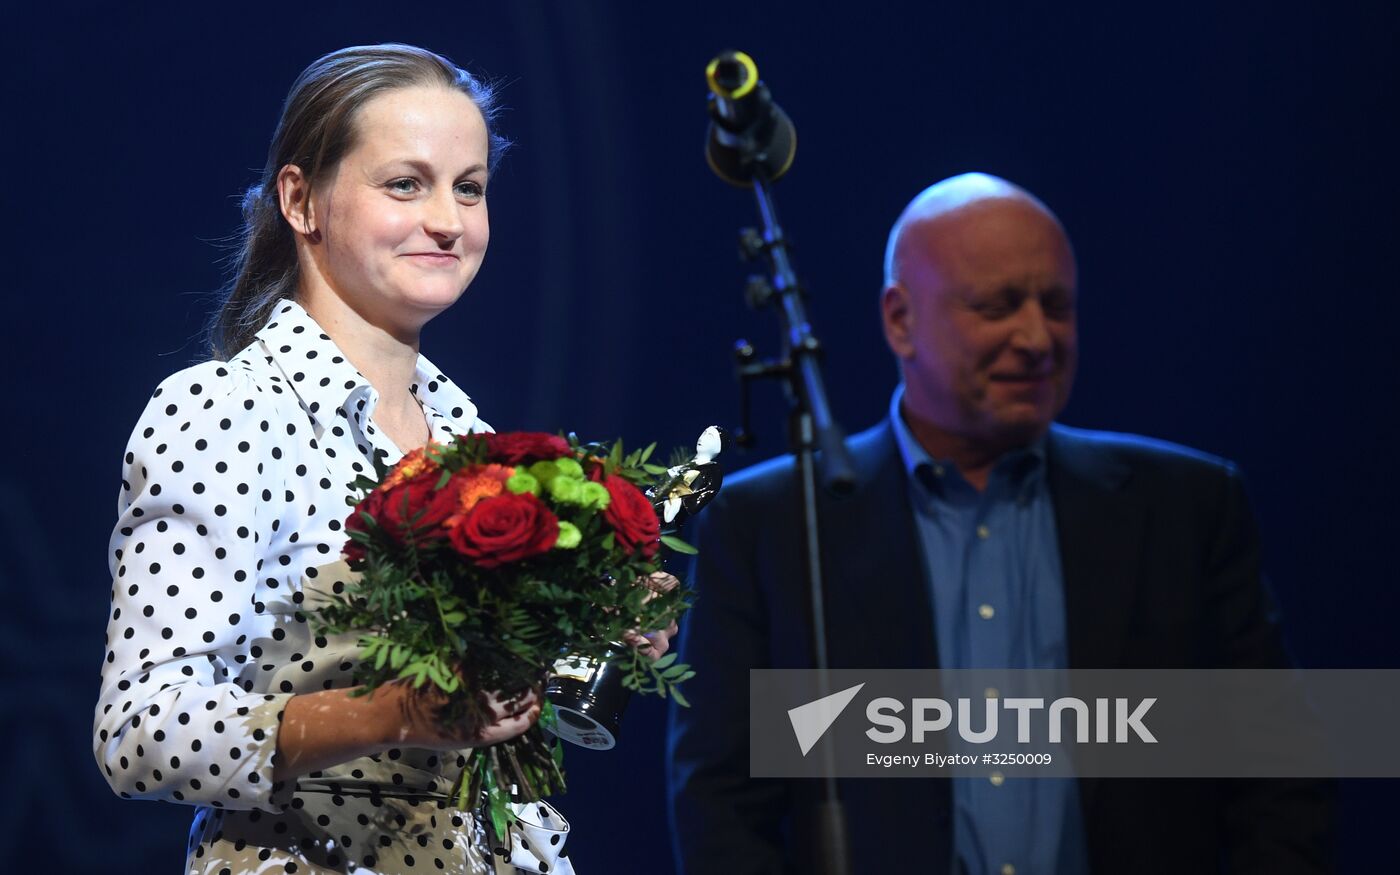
294,199
897,315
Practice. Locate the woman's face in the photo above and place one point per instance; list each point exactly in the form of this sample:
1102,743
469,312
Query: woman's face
403,220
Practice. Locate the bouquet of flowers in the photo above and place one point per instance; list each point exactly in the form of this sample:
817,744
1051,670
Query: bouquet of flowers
484,561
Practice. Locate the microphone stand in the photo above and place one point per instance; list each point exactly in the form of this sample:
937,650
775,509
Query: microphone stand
811,426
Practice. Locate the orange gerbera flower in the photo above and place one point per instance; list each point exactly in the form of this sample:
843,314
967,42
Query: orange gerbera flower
414,463
479,482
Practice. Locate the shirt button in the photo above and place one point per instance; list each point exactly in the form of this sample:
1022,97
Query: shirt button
997,779
1008,869
986,612
983,532
938,470
991,692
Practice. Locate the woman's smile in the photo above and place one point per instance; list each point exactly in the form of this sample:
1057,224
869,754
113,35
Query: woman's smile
434,259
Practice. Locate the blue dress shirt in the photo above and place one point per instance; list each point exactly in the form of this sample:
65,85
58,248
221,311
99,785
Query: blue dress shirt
992,563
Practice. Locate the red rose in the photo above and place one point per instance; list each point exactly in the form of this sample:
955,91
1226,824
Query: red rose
392,508
400,504
632,517
520,447
504,529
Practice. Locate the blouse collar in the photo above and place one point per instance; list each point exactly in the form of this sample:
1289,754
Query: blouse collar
325,381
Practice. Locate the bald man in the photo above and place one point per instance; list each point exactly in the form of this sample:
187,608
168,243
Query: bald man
983,535
978,306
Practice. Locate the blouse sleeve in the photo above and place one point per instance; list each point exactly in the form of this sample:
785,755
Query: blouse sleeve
196,513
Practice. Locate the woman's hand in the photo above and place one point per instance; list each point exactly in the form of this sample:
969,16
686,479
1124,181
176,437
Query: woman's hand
654,644
330,727
423,725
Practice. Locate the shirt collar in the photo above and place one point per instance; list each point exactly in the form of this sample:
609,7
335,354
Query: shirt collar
325,381
924,469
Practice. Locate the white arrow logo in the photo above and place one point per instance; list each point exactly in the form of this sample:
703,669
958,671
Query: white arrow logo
811,721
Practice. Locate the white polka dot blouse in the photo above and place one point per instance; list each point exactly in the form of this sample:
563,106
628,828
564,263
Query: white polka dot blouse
230,521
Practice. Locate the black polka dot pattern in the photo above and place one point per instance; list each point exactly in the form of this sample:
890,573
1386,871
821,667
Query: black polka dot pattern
230,524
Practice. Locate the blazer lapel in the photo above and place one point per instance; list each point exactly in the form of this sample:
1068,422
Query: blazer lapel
1100,534
877,595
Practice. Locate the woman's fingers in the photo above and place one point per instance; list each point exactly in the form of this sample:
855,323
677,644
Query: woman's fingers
654,644
659,581
508,717
499,719
660,643
501,708
508,727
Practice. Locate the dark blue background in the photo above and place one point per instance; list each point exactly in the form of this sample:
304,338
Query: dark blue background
1226,172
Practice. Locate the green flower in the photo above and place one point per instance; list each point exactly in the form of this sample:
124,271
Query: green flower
595,495
544,472
523,481
569,536
569,468
566,491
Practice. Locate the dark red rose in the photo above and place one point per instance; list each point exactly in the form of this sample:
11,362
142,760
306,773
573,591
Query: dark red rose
632,517
418,495
392,508
504,529
520,447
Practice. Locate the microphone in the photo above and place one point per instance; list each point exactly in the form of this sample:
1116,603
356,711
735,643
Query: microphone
749,134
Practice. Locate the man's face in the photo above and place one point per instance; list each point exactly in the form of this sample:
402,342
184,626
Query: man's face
982,319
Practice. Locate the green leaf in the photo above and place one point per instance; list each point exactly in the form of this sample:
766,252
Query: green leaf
680,700
675,671
664,661
498,800
646,454
656,470
435,672
678,545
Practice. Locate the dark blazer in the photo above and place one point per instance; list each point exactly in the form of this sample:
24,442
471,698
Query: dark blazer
1161,570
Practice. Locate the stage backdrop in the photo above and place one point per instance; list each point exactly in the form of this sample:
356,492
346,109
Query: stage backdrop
1226,171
